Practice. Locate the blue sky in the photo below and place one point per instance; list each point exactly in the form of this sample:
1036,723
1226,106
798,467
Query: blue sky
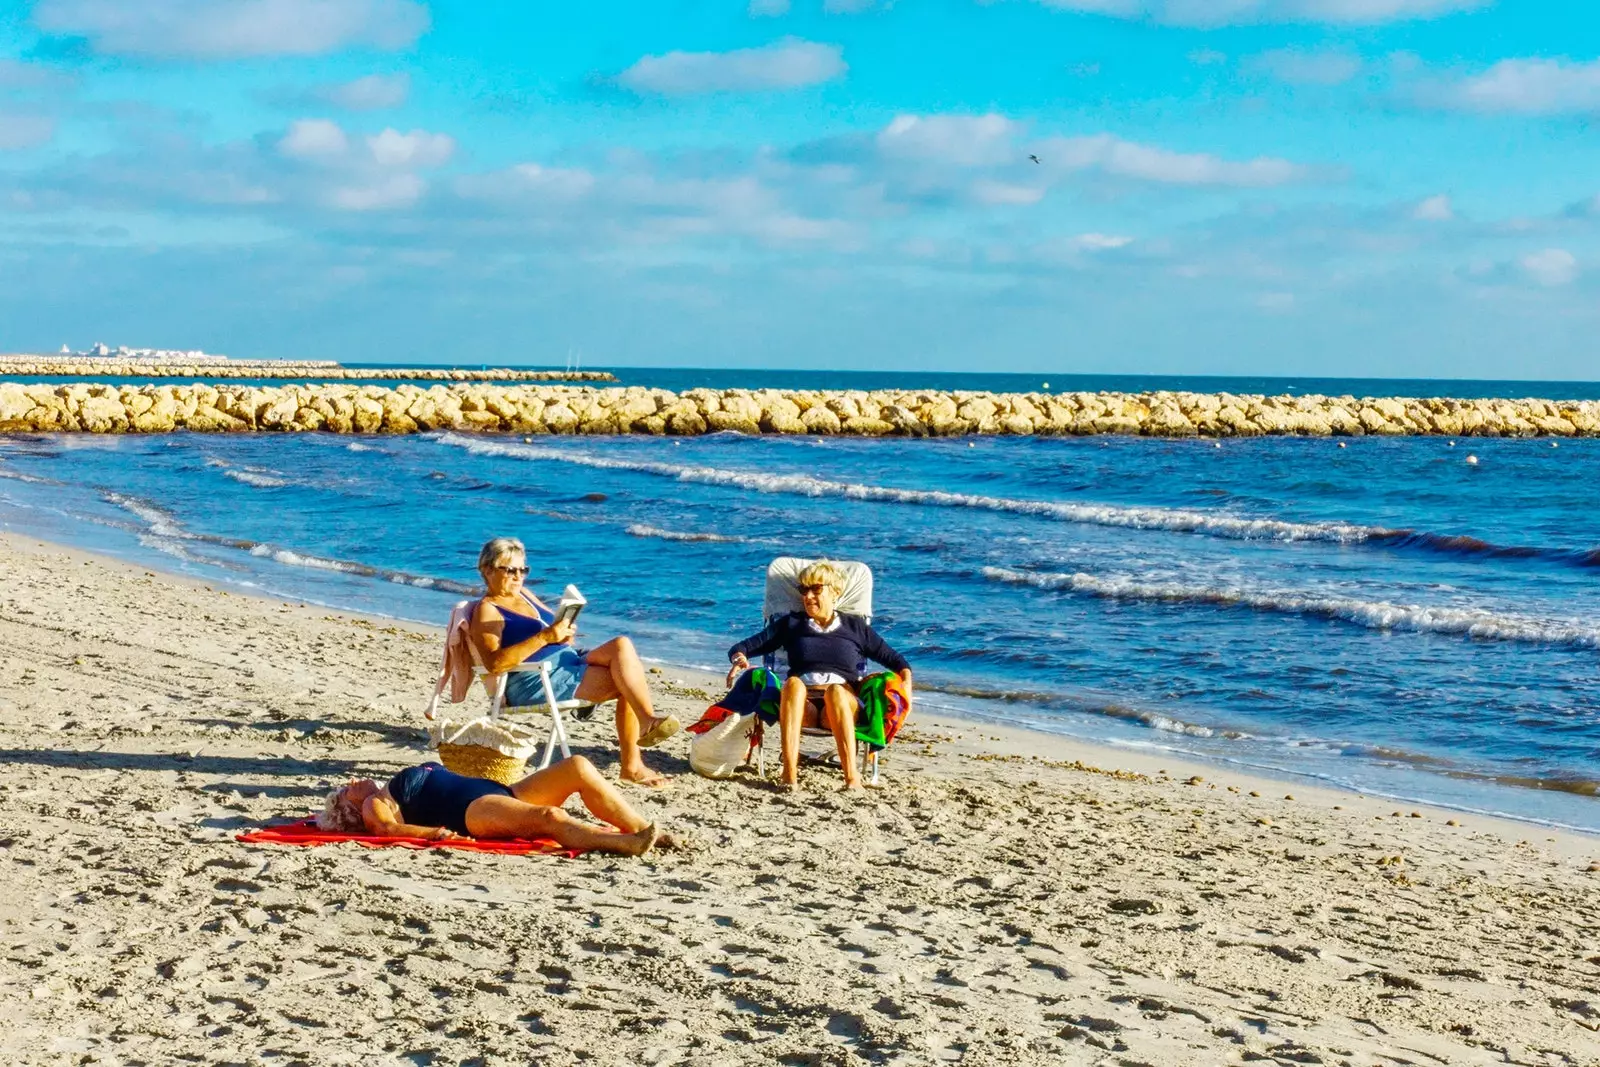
1403,188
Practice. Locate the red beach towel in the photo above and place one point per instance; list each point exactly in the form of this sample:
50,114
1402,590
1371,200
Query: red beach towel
306,833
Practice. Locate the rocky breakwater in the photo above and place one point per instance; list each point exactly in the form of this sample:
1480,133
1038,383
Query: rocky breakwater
46,367
540,409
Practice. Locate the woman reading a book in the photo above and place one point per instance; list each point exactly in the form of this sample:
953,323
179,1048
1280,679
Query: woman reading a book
826,648
511,626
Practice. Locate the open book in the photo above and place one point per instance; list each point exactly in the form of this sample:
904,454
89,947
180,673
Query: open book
572,603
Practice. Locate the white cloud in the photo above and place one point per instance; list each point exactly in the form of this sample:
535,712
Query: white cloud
25,131
221,29
314,139
966,140
1435,209
1527,87
1101,242
787,64
419,148
1129,159
768,8
375,92
1307,68
1550,267
527,181
15,74
1244,12
993,192
397,190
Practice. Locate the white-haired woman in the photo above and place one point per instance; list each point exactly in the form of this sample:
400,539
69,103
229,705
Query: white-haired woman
432,803
510,626
825,648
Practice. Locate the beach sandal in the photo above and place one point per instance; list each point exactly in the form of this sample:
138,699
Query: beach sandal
662,729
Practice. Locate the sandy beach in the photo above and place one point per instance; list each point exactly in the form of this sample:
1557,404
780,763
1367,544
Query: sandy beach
1006,898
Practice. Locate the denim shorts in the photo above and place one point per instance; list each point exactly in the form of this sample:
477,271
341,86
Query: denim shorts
567,664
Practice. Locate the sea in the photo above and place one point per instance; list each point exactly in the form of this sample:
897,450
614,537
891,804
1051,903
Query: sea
1415,618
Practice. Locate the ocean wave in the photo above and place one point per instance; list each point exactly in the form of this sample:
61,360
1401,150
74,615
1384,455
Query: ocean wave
18,476
1466,545
357,446
159,520
164,532
1373,614
1154,720
1176,520
1152,518
290,558
256,479
642,530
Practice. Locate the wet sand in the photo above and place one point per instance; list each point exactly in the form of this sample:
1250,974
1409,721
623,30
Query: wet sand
1006,898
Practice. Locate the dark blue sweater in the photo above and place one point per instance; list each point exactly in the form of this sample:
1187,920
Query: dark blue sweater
839,652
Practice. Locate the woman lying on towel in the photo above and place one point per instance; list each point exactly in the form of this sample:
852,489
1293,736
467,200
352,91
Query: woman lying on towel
825,650
432,803
511,626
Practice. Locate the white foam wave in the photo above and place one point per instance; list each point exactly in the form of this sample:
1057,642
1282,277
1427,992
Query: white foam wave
1142,518
357,446
171,548
257,479
18,476
160,522
1373,614
642,530
295,559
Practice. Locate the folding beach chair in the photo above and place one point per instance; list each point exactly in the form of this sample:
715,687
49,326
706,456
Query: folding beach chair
462,666
783,597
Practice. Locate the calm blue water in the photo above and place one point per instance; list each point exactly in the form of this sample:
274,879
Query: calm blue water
1384,615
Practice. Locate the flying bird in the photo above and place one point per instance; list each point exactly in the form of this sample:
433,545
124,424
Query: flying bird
1034,158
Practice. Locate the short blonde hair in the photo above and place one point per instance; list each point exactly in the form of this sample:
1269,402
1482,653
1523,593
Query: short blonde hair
339,814
497,549
823,572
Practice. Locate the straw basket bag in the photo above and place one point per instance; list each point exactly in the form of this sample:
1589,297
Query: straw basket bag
484,748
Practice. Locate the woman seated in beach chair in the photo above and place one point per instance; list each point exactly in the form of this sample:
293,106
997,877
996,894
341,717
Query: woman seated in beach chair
825,648
434,804
511,626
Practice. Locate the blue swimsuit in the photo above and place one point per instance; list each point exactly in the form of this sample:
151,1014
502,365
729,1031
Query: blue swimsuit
567,664
429,795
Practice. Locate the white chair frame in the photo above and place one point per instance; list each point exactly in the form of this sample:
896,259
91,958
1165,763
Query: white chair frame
497,692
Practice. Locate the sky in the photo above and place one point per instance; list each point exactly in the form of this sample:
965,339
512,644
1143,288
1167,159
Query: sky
1385,188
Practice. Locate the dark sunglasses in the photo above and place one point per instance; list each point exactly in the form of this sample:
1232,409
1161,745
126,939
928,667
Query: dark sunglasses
515,572
811,590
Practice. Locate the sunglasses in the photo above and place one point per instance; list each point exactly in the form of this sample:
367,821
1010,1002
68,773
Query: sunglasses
515,572
812,590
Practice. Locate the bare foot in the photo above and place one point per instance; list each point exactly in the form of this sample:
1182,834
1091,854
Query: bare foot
639,842
646,777
665,840
788,787
854,786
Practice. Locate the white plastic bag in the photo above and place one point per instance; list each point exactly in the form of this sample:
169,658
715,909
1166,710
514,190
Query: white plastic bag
719,751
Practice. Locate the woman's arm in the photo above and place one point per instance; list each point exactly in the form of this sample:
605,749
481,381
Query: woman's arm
768,640
382,818
487,626
877,649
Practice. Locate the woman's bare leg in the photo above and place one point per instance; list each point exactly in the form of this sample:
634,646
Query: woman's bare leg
552,786
791,716
616,673
502,816
839,708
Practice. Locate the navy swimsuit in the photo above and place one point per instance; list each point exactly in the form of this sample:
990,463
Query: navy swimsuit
429,795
